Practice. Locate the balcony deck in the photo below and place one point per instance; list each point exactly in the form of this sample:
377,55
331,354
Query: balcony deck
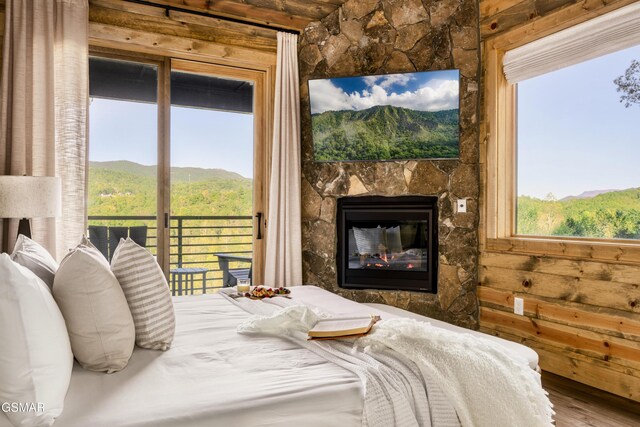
195,242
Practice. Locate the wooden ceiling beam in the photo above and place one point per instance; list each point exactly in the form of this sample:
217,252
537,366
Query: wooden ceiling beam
277,14
155,19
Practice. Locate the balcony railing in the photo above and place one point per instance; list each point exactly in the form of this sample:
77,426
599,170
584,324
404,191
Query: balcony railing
195,242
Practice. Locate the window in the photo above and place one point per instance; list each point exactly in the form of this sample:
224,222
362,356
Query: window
577,151
176,154
560,146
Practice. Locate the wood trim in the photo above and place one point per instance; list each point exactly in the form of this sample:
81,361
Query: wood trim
164,166
596,345
499,189
616,323
489,8
246,12
500,98
111,36
620,380
262,125
611,251
576,268
156,19
490,137
597,293
521,22
163,130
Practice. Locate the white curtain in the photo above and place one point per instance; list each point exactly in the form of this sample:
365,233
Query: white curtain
599,36
283,264
43,109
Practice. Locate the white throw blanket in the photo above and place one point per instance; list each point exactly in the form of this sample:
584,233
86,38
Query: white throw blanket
486,386
415,374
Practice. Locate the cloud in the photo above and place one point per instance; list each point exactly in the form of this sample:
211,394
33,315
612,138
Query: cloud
389,80
435,95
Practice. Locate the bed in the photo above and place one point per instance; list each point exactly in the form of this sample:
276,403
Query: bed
213,376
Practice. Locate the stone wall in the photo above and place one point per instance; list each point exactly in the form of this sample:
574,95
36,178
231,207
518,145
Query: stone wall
389,36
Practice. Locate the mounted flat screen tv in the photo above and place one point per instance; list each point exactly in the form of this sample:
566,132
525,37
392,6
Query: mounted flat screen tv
386,117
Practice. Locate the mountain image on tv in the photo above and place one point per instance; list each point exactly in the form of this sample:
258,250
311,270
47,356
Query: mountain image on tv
386,117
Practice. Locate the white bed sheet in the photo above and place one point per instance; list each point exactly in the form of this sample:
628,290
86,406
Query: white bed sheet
213,376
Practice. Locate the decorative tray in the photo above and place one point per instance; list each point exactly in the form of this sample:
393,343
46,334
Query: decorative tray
261,292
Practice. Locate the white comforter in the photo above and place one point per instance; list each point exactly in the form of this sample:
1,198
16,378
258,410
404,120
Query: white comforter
404,361
212,376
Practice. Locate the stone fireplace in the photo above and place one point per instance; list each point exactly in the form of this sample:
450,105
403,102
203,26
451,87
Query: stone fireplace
365,37
387,243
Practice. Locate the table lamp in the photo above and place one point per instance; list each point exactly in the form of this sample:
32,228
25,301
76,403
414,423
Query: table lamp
29,197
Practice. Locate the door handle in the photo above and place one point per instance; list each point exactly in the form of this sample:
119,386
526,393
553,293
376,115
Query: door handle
259,233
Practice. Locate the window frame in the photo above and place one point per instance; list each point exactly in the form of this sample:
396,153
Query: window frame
499,154
262,75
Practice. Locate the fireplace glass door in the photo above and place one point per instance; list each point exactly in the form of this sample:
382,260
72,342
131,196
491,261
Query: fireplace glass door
387,242
388,245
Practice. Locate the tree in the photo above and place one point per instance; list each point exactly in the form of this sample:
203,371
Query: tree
629,85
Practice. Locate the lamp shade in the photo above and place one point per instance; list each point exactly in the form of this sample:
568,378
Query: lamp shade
30,196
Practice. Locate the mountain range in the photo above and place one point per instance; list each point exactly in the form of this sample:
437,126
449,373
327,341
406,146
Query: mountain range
587,194
178,174
126,188
385,133
598,213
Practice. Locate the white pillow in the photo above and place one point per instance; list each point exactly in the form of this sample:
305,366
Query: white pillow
147,293
95,310
30,254
369,240
35,354
393,239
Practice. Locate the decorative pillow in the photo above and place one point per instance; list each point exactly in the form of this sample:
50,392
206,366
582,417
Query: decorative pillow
408,234
393,239
36,354
30,254
369,240
95,310
147,293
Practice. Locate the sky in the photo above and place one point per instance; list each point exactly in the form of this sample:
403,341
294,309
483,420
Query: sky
121,130
424,91
574,134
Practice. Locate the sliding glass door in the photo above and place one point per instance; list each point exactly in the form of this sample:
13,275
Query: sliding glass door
123,155
212,171
178,147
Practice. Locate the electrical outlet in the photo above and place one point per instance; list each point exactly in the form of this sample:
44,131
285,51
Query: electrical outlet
462,205
518,306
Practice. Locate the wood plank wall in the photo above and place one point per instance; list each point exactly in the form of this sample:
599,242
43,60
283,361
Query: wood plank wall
582,315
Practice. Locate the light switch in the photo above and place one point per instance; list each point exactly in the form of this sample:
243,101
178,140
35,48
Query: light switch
462,205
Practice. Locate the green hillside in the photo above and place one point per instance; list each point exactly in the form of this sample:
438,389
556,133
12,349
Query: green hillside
177,174
615,214
385,133
127,188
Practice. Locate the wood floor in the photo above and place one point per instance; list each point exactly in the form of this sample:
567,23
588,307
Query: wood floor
578,405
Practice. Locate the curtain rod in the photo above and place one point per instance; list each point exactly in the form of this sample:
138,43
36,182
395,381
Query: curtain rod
213,15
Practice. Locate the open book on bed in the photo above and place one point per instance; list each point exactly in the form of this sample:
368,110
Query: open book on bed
345,327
